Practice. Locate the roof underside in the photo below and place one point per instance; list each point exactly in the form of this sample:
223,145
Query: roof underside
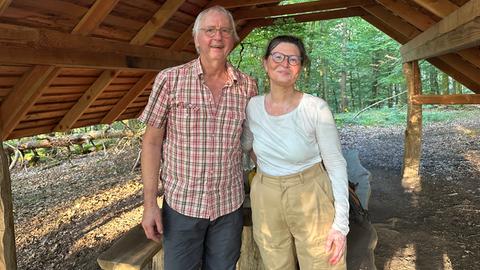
73,63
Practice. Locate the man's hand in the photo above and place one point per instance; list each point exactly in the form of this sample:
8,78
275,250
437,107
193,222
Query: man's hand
336,243
152,223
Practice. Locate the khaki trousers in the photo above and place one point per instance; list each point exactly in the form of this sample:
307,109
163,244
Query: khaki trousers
292,216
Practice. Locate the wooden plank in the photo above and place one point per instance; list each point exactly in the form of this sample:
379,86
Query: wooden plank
8,256
23,96
51,47
297,8
408,13
400,25
446,99
186,36
132,251
158,20
136,90
457,31
3,5
440,8
30,131
88,98
413,134
94,16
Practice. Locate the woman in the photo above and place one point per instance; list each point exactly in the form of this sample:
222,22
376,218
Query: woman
299,197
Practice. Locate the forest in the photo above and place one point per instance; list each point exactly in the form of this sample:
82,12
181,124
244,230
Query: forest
352,64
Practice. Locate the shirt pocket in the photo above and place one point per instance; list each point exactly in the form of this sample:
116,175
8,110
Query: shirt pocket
187,119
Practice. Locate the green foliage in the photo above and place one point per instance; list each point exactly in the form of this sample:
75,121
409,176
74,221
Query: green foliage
398,116
370,59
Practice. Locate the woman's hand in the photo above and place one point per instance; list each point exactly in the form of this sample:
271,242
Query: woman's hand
335,244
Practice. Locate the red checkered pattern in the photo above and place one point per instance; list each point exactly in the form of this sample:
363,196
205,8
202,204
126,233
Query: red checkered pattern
201,169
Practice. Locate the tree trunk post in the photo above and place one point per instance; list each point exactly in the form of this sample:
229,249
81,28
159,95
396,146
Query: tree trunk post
413,134
8,257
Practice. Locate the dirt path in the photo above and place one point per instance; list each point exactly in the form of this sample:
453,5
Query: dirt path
68,214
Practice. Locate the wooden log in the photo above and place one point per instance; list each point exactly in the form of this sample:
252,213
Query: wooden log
413,134
52,142
8,257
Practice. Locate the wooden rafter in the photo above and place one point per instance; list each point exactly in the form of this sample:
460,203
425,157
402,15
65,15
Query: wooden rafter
446,99
317,16
94,16
86,100
297,8
440,8
408,13
186,36
3,5
158,20
129,98
457,31
423,22
402,31
24,95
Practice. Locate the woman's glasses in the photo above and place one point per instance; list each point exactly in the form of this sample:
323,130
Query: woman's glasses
293,60
212,31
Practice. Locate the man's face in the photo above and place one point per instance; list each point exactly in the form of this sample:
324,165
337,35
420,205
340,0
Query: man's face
216,46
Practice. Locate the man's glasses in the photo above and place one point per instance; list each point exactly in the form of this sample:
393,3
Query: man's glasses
212,31
293,60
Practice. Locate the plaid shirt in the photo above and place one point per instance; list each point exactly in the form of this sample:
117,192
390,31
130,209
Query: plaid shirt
201,172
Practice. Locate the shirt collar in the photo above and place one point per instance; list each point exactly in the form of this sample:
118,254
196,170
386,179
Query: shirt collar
231,71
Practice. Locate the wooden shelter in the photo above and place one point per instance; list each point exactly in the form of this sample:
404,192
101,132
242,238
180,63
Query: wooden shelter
71,63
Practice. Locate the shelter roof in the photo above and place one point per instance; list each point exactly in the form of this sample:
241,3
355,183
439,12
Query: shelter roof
73,63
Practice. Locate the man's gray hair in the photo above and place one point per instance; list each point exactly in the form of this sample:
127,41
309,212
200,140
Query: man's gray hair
220,9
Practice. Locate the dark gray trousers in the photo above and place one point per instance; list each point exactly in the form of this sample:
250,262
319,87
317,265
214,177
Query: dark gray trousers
195,243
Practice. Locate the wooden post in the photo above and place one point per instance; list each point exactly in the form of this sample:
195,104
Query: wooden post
413,134
8,257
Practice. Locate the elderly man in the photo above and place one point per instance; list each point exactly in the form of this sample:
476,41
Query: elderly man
194,120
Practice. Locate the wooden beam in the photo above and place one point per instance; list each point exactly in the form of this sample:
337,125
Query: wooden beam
413,134
129,98
408,13
395,22
440,8
248,14
186,36
94,16
310,17
23,45
8,256
22,98
402,31
86,100
423,22
3,5
158,20
457,31
446,99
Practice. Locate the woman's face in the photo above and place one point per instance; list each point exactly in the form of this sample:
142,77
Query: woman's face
283,73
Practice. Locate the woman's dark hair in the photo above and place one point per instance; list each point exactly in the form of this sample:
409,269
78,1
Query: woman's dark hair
287,39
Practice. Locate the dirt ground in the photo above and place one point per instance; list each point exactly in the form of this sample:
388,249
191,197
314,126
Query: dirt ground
67,214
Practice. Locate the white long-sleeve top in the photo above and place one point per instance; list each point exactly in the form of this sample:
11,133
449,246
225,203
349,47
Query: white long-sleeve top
294,141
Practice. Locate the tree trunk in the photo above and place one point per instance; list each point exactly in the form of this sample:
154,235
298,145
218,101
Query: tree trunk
445,84
433,74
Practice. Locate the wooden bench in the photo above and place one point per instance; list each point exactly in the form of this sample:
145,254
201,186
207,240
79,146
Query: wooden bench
132,251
